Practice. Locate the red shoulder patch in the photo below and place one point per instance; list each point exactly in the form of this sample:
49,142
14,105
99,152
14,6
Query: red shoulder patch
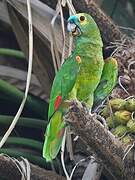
57,102
61,133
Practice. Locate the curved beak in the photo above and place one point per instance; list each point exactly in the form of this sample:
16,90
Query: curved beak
73,28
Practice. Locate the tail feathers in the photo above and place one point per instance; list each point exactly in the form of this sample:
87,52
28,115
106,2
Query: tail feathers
53,137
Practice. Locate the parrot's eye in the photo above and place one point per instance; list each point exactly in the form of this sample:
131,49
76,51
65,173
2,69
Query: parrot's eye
82,18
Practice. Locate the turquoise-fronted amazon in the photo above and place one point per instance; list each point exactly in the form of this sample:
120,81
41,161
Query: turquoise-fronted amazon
77,79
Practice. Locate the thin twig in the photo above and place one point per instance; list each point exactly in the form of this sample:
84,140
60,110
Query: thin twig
127,28
130,64
74,168
62,155
54,49
129,97
119,80
71,7
63,33
71,11
128,150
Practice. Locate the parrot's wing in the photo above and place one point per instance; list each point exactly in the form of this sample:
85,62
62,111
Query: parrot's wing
107,82
63,84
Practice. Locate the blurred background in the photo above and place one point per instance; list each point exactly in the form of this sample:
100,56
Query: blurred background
121,11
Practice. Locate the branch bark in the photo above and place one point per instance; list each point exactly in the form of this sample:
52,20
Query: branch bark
98,139
8,170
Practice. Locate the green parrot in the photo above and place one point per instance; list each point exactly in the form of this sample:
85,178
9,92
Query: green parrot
77,79
107,82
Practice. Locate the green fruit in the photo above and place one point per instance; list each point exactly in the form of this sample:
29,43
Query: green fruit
111,122
127,139
120,130
122,116
117,104
130,105
131,125
105,112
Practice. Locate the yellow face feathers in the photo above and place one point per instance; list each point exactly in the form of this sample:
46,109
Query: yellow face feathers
82,24
82,18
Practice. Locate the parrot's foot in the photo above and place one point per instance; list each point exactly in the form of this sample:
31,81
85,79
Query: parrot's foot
74,103
88,110
85,107
94,115
72,107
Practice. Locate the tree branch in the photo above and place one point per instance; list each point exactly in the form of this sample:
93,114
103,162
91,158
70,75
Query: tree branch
98,139
8,170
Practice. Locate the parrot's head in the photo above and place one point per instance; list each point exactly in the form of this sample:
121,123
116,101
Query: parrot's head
82,24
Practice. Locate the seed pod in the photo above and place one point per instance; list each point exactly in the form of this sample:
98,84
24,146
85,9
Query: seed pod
130,105
127,139
111,122
122,116
120,130
131,125
117,104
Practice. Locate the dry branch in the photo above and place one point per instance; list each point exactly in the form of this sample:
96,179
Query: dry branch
8,170
98,139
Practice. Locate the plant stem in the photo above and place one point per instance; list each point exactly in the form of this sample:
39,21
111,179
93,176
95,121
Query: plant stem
24,142
34,104
25,122
12,52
